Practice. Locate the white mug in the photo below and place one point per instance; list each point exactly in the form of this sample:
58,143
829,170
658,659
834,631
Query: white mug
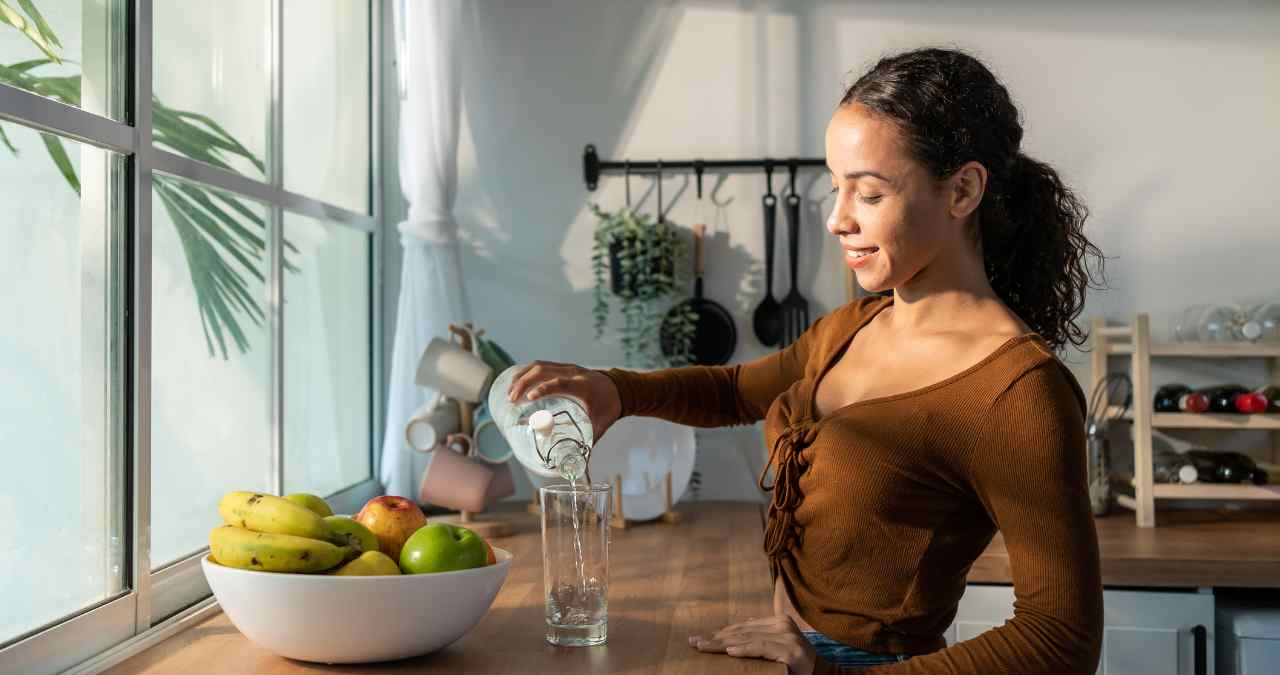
431,423
453,371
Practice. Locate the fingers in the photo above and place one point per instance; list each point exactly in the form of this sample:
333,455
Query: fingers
746,630
774,638
771,646
779,623
533,375
772,650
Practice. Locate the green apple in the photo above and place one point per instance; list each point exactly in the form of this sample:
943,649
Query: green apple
355,534
369,564
442,547
312,502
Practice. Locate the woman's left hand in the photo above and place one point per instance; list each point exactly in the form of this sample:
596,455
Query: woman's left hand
775,638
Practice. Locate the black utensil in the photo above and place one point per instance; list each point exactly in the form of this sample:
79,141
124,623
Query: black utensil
767,320
795,308
715,335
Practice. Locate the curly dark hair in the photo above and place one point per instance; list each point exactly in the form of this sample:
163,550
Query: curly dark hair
951,109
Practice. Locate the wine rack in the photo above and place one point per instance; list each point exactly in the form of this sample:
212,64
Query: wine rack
1134,340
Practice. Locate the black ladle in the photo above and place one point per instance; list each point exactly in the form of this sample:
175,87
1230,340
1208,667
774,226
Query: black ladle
767,320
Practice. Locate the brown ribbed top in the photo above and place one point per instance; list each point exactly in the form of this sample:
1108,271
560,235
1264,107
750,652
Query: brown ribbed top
879,508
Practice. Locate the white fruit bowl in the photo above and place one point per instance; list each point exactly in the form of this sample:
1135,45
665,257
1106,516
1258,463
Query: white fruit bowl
331,619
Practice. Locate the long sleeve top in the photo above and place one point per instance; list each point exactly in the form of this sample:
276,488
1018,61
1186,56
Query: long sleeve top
879,508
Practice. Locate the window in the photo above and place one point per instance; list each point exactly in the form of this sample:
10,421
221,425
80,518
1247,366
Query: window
326,88
193,278
326,366
61,508
210,371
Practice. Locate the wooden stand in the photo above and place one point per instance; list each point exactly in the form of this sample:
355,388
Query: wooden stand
474,521
619,517
1134,341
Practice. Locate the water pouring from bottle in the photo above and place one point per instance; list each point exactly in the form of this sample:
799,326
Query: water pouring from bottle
552,436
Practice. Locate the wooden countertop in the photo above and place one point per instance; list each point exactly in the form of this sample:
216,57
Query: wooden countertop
666,582
1184,549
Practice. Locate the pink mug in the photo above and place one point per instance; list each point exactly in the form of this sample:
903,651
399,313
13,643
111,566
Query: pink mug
502,484
454,480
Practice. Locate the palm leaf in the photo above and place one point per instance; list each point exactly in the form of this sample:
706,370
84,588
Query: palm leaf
175,123
64,88
206,143
234,144
216,234
227,220
223,239
60,159
30,29
41,25
24,66
213,279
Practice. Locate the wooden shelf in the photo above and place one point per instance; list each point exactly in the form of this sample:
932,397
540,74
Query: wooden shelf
1134,340
1216,491
1260,350
1267,421
1207,491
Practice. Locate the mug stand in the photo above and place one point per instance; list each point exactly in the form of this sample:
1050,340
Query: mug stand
472,520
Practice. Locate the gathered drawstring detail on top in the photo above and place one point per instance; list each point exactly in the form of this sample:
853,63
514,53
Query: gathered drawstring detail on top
781,530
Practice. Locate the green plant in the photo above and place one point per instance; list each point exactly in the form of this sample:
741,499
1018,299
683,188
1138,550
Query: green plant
647,262
223,240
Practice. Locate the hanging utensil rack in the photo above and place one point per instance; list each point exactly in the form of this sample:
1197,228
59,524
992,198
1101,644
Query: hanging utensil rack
593,167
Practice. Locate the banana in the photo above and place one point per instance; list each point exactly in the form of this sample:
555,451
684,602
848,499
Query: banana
237,547
274,515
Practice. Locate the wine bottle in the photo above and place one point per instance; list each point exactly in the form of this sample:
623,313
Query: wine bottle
1272,394
1227,467
1223,399
1251,403
1179,398
1172,467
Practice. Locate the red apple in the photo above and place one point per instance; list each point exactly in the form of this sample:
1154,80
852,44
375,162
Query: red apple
392,520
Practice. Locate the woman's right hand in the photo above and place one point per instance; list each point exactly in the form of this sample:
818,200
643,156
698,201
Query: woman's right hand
593,388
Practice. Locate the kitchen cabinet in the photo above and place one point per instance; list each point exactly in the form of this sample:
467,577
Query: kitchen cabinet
1145,632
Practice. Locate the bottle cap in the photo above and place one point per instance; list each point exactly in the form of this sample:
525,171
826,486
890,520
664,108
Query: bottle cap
1194,402
542,422
1188,474
1251,403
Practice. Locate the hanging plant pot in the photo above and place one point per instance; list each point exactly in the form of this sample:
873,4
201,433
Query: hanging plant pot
638,270
626,280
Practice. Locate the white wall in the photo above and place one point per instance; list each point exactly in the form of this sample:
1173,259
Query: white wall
1162,115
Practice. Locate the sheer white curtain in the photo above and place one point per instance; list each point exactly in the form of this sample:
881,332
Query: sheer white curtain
431,290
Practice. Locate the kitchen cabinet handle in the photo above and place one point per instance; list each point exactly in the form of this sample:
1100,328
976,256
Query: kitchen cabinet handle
1202,656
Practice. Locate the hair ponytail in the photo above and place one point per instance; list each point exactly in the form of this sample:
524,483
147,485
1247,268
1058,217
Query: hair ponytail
953,110
1035,249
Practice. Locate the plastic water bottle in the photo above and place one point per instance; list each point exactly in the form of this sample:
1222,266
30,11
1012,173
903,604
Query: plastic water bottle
1224,322
551,436
1267,318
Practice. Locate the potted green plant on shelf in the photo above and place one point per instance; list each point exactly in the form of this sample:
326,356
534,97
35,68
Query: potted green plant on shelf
223,240
644,262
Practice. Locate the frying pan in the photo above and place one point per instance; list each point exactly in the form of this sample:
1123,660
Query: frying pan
715,336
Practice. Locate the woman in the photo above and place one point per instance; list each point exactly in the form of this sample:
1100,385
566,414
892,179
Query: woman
905,431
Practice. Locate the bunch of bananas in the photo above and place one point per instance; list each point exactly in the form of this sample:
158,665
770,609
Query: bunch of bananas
272,534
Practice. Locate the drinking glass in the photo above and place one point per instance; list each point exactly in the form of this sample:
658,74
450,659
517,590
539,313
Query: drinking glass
575,562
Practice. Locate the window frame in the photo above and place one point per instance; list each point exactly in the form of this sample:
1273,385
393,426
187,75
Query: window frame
159,602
